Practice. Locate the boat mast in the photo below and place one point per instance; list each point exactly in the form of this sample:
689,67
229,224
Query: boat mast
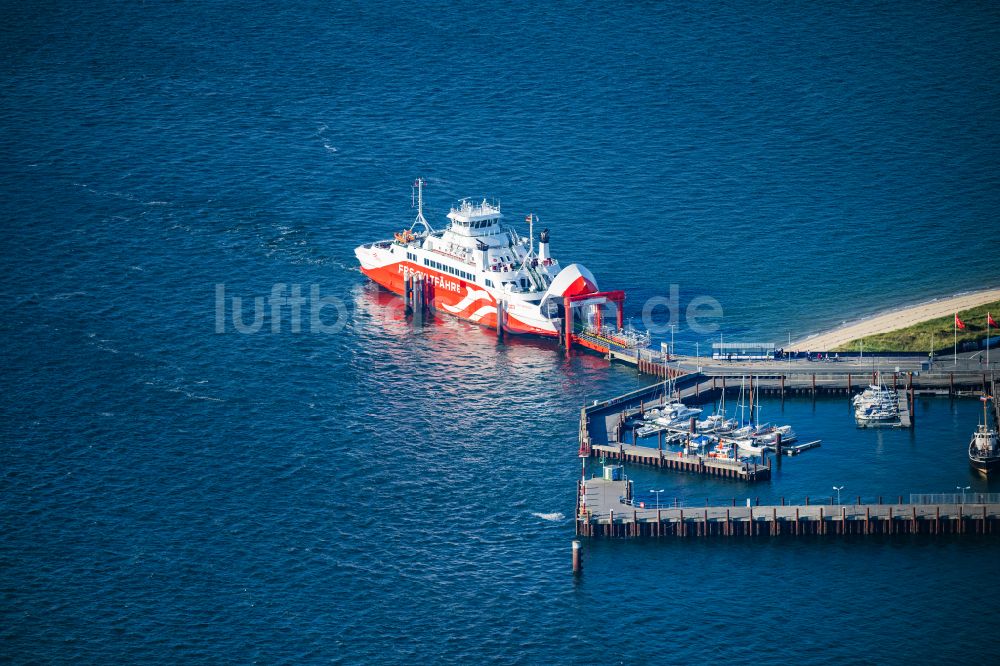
531,235
418,194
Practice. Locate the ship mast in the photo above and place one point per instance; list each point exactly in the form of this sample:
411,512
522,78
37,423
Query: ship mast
418,195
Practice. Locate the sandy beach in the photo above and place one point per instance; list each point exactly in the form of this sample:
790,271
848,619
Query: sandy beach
895,319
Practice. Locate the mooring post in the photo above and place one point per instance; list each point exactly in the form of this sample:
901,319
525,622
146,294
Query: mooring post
568,324
777,448
849,389
909,391
417,301
889,524
782,387
822,524
814,384
577,564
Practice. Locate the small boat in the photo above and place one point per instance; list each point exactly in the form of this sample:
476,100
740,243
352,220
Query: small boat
877,405
984,449
876,412
877,392
676,414
752,446
716,423
769,435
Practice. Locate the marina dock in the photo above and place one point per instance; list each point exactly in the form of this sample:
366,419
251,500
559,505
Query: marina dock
607,508
684,462
603,430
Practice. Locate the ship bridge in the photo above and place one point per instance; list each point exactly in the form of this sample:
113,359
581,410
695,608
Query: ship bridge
467,213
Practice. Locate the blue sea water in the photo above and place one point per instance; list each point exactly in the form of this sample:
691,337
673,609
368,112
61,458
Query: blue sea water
390,494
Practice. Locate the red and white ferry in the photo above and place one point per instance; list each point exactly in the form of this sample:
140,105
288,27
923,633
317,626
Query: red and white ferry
476,264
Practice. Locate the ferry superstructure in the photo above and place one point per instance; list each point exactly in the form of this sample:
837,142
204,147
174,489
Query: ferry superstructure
478,267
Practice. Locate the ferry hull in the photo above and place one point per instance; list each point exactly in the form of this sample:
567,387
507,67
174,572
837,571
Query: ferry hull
454,296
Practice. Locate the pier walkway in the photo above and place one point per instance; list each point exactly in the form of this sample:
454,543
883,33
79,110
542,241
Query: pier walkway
607,509
683,462
800,376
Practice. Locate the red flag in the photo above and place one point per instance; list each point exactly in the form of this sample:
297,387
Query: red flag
958,322
990,322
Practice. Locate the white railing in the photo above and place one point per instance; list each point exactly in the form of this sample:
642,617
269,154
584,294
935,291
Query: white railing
955,498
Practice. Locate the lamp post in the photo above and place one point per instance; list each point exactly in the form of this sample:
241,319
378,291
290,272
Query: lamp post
657,492
838,489
962,490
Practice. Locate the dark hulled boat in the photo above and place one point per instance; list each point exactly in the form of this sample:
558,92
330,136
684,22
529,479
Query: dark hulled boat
984,449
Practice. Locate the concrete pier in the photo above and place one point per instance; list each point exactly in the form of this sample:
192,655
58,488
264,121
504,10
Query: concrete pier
606,509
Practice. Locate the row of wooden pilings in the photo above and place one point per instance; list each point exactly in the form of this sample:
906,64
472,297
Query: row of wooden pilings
837,523
661,370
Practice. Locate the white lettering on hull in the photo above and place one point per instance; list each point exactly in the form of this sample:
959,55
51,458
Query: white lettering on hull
434,279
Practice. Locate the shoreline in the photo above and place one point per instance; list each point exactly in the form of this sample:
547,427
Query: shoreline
894,319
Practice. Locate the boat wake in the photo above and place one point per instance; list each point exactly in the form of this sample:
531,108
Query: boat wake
550,516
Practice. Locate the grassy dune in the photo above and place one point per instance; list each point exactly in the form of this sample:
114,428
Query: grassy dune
941,330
